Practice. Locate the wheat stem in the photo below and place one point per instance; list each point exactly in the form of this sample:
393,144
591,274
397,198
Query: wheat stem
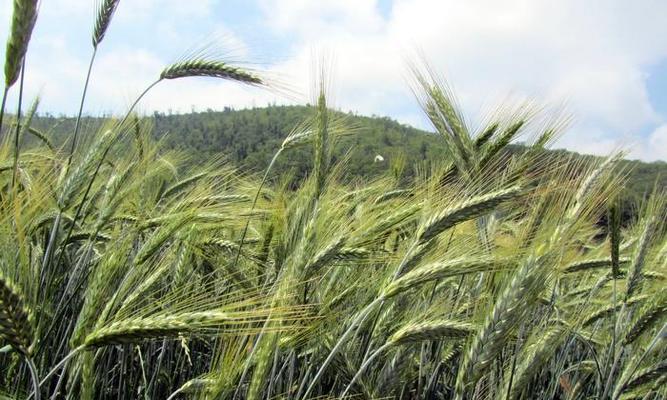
341,341
252,207
662,333
77,124
18,127
2,108
34,376
56,368
88,188
363,367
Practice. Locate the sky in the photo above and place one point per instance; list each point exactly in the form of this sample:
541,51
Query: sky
602,62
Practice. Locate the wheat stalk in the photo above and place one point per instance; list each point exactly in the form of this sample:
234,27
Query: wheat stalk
77,179
351,254
42,137
382,225
533,358
646,375
176,187
327,254
608,310
414,333
193,386
392,194
507,313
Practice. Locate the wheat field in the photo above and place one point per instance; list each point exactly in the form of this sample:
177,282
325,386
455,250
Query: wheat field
128,271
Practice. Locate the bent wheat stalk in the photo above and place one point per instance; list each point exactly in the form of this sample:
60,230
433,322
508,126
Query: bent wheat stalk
507,312
414,333
106,11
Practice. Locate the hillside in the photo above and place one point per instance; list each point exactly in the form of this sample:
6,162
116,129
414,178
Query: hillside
249,138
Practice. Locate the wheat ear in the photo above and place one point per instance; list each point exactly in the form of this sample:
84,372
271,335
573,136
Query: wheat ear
646,375
104,14
585,265
431,330
133,330
23,22
639,258
651,312
464,211
214,69
439,270
15,325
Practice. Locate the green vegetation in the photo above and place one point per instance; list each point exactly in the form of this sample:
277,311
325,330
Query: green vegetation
248,138
127,270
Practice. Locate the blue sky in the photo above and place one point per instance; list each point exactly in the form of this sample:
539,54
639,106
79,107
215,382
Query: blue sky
603,61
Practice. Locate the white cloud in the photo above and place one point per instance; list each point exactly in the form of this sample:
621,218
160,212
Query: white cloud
60,49
655,147
592,55
319,19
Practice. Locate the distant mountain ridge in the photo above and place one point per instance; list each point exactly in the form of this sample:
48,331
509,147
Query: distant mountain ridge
250,137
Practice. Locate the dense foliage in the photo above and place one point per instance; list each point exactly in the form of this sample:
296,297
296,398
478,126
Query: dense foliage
129,271
248,138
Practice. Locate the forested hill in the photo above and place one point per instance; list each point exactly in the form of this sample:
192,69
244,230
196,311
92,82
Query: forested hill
250,137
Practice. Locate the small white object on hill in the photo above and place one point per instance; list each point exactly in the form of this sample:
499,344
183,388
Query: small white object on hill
378,158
